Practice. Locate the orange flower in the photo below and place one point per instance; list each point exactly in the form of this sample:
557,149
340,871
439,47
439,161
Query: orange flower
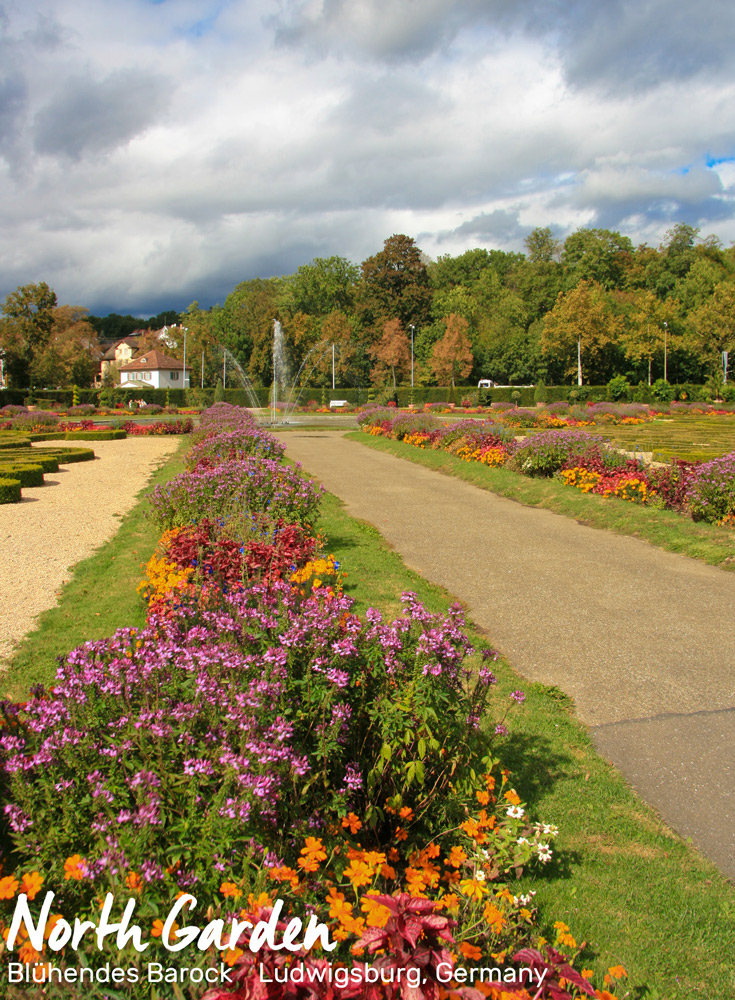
358,873
401,834
74,868
617,972
494,917
470,951
512,797
388,871
28,953
352,823
406,813
285,874
230,891
134,882
31,884
377,915
483,798
457,856
8,887
157,929
230,956
51,923
490,782
394,854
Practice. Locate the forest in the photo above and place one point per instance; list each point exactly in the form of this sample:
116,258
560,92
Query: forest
594,301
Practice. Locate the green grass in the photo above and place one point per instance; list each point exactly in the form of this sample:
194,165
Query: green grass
99,597
663,528
635,891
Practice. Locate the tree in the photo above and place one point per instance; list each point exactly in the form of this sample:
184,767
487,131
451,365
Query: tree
579,328
597,255
395,284
324,285
452,355
391,352
647,334
71,352
25,328
712,325
541,245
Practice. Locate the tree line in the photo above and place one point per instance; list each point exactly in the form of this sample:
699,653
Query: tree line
594,299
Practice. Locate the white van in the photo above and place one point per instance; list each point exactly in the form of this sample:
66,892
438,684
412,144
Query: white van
485,383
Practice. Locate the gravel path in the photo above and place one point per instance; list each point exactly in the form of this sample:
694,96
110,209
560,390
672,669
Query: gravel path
642,639
65,520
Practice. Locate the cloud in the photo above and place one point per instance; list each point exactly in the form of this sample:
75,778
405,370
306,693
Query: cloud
90,116
155,153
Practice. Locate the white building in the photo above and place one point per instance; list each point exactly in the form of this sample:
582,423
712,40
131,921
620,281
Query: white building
154,370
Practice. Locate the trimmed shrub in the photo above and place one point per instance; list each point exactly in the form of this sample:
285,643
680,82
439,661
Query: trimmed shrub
9,490
29,475
105,435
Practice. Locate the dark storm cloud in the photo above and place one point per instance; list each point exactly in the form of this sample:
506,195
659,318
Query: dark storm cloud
89,116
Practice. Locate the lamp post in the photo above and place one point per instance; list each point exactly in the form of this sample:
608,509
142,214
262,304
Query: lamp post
666,331
411,327
579,361
186,330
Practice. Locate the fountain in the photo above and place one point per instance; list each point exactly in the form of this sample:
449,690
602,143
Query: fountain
280,372
231,361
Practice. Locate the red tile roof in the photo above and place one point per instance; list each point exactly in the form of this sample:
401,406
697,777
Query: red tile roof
153,361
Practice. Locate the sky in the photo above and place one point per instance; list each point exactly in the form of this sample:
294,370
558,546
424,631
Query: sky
157,152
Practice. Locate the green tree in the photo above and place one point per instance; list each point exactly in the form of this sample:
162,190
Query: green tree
395,285
599,255
650,330
25,329
581,325
542,246
712,326
324,285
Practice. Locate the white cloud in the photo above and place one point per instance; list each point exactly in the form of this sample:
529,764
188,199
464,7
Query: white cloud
159,152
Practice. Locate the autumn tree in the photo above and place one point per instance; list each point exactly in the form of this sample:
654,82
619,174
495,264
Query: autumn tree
25,328
579,329
71,352
452,355
391,353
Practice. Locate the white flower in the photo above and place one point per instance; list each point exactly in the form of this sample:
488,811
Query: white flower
523,840
549,830
515,812
480,875
544,852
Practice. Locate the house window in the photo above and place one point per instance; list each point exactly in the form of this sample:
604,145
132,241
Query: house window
174,376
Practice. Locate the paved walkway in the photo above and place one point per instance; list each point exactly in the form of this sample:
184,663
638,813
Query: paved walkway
643,640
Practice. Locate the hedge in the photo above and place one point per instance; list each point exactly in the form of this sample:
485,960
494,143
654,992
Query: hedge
35,456
28,475
9,490
105,435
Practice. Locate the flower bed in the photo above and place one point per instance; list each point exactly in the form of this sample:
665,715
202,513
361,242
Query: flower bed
587,462
261,747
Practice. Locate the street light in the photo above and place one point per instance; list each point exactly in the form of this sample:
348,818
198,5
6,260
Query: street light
411,327
186,330
666,330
